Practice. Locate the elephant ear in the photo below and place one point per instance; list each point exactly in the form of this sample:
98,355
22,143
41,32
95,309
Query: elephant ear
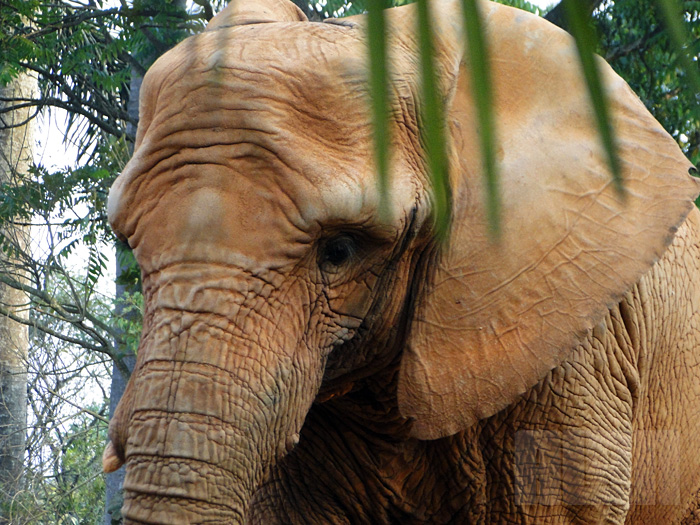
497,315
242,12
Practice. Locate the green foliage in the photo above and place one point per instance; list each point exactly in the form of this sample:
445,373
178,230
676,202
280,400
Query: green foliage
342,8
78,478
69,206
71,491
525,6
635,41
129,319
674,22
130,276
67,401
99,50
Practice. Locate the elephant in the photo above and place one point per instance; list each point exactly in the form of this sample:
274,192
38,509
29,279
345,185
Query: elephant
314,351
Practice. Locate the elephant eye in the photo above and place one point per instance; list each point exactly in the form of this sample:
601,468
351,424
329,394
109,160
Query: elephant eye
337,251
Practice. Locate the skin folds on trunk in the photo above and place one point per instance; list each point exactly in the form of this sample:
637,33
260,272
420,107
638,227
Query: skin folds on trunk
207,411
183,451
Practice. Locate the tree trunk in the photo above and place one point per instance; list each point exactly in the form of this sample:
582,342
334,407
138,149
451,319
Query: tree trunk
558,14
115,480
16,155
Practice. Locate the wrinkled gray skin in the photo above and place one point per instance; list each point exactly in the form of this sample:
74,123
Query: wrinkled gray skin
309,358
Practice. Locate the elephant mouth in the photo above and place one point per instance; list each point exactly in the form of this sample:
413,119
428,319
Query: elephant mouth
329,392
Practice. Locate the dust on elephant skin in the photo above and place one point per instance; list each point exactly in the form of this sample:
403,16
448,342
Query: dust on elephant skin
314,352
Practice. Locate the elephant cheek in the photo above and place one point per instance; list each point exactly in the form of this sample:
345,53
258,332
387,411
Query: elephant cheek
351,303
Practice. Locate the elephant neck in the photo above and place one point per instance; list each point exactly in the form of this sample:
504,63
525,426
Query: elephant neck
370,407
355,454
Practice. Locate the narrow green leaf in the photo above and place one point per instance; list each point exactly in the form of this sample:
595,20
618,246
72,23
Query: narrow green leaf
379,94
477,52
673,19
585,43
433,123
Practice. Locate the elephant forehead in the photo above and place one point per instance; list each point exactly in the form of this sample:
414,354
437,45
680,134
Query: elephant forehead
202,213
297,67
294,129
248,91
244,214
308,186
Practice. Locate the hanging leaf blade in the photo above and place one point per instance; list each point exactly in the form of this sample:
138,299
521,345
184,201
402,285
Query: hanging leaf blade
480,75
432,123
379,96
584,37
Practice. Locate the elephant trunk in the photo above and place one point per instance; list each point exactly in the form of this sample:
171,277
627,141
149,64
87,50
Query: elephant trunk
206,413
186,461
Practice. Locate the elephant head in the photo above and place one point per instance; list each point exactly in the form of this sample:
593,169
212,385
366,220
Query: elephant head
273,280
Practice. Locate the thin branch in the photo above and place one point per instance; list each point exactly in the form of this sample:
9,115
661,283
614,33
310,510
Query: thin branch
73,108
82,409
107,107
55,306
15,107
632,47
